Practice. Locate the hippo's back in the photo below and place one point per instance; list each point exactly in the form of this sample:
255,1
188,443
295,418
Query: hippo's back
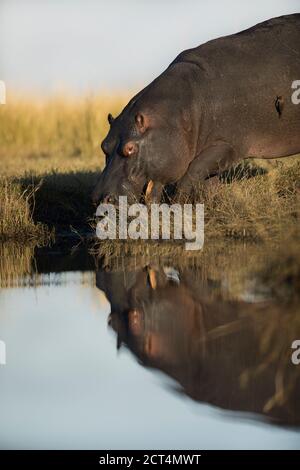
243,76
269,39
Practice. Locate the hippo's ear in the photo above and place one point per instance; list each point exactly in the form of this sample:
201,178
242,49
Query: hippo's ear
142,122
110,119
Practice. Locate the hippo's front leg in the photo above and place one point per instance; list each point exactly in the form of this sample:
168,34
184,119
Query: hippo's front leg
208,163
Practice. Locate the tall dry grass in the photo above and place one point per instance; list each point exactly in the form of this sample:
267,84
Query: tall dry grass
16,219
260,207
50,157
60,133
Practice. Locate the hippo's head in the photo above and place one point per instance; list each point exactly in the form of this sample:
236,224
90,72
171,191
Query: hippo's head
143,146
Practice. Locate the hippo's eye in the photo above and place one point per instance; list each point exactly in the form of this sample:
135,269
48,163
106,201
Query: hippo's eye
130,149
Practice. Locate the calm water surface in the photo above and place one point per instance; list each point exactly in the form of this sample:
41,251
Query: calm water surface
158,355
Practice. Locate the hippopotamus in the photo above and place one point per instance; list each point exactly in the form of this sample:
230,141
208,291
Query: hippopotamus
214,105
178,320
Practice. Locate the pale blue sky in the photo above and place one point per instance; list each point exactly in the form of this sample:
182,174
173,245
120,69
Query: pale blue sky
86,45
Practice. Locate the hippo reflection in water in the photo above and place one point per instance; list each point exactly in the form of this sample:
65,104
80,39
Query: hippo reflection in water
232,354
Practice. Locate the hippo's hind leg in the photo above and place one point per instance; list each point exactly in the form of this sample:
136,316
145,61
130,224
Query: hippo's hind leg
209,162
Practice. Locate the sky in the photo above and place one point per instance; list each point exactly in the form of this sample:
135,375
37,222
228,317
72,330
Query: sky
102,45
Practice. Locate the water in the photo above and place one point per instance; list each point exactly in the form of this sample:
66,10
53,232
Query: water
154,356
